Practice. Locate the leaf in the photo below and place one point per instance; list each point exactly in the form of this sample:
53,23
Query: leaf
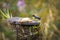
3,14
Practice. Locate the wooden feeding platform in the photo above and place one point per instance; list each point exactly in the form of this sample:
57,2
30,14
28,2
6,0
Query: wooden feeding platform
25,24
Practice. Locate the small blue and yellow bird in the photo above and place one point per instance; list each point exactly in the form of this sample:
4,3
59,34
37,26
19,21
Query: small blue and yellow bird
36,17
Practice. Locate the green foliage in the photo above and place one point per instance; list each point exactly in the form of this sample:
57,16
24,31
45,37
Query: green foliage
6,15
49,28
58,24
9,34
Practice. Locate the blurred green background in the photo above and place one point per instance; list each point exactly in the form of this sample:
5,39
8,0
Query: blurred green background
48,10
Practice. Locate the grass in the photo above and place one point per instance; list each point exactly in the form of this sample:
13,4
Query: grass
47,29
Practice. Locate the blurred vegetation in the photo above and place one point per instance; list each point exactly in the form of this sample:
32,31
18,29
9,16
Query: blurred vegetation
48,10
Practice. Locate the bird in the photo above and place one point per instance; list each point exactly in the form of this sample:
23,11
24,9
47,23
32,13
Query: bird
36,17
